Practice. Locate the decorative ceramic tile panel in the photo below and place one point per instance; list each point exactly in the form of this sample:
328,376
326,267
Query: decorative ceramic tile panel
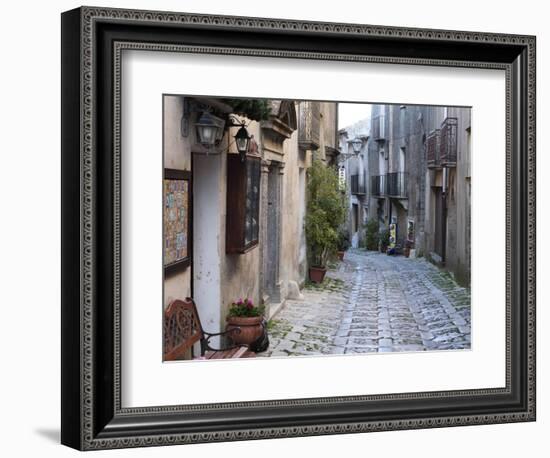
176,220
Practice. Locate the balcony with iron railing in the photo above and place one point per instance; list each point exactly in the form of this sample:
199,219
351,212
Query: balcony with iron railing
397,185
378,128
378,185
441,145
433,145
356,187
309,125
448,142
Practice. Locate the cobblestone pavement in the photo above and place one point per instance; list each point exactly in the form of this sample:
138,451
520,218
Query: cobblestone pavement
372,302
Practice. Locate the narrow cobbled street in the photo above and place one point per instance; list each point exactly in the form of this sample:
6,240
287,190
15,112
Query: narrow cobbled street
371,302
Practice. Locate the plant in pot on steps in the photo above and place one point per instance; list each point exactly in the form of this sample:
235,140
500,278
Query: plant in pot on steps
247,321
372,235
384,240
326,212
343,244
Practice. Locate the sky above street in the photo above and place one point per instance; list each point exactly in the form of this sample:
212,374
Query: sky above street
350,113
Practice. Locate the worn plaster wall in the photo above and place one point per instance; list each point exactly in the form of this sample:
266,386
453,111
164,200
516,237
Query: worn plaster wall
329,129
413,143
432,118
373,163
291,213
458,182
220,278
459,200
357,164
239,276
177,155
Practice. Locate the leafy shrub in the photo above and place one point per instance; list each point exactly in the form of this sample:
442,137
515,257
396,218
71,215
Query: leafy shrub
326,212
343,240
384,238
256,109
371,234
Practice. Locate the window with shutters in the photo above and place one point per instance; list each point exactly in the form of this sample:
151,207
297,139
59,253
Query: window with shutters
243,203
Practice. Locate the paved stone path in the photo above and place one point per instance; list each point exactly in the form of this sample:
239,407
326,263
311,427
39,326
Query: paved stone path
372,302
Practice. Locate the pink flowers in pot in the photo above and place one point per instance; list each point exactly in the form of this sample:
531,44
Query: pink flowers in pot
244,307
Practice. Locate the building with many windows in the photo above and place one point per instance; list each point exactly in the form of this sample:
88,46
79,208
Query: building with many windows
408,167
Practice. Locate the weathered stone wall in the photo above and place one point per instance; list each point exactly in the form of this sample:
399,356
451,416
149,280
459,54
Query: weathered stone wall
456,183
374,148
357,164
329,131
406,128
291,215
415,166
239,272
433,116
459,200
220,278
177,155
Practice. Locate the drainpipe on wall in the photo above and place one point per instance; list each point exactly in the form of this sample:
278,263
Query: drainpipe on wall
444,216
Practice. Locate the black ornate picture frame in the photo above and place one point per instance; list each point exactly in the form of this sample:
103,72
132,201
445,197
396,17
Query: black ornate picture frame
92,42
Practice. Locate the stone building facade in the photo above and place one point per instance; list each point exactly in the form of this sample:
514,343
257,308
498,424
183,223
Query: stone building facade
275,267
354,171
414,162
448,190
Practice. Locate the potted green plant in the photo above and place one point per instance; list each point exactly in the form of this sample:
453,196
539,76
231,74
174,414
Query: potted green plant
343,244
247,319
372,235
384,240
326,211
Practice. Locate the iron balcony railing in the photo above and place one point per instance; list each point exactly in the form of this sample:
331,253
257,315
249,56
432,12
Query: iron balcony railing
378,128
309,125
433,149
449,142
378,185
441,145
397,184
356,186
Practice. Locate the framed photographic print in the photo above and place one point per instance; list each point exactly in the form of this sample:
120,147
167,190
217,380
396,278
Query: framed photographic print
278,228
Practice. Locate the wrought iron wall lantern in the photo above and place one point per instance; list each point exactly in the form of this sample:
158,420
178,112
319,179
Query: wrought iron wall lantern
209,129
242,137
357,144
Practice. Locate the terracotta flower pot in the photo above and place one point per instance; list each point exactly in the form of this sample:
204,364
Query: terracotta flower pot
250,328
317,274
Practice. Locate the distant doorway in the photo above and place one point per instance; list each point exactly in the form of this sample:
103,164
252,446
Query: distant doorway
354,218
355,225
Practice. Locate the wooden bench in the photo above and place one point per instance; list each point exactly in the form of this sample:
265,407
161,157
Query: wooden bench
182,329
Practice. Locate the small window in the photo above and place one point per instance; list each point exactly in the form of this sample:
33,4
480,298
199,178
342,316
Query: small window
243,203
